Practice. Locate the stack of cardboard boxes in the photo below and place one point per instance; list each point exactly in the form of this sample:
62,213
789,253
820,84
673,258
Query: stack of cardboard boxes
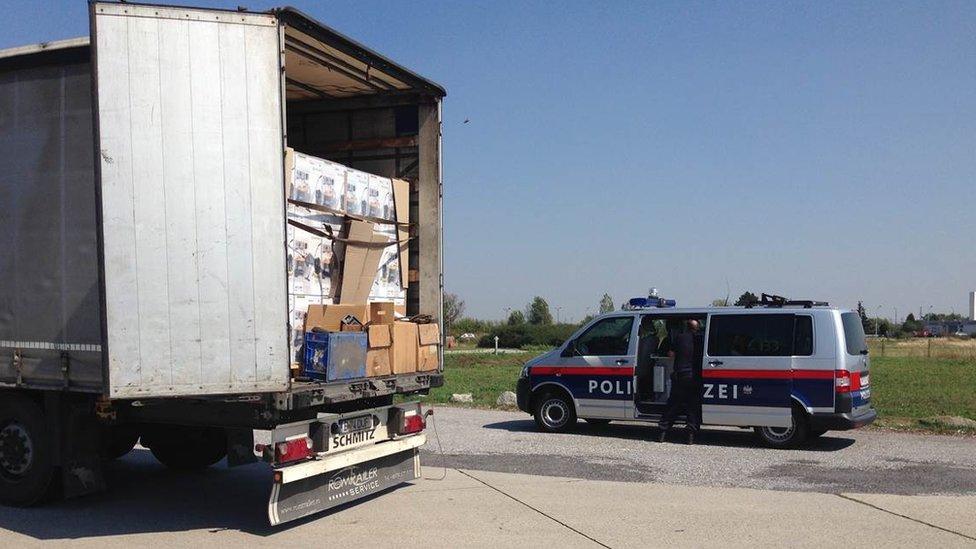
393,346
328,197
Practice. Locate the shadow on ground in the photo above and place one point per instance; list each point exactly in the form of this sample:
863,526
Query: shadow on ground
145,497
738,439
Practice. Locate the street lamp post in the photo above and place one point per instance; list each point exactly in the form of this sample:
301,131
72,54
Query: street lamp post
558,310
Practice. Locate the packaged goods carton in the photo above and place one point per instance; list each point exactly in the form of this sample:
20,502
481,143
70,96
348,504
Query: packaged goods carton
405,345
429,340
328,317
379,355
382,312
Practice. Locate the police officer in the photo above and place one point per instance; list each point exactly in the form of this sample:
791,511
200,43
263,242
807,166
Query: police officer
684,388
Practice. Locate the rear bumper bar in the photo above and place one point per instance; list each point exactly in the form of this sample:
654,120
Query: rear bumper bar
299,471
310,487
842,422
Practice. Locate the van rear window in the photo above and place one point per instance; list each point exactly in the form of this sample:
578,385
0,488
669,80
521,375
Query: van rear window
854,334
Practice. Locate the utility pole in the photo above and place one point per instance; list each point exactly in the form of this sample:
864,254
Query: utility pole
877,319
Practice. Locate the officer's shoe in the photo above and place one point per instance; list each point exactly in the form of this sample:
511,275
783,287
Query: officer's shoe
691,437
662,435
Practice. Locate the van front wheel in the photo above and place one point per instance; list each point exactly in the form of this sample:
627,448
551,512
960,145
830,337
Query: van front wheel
554,413
785,437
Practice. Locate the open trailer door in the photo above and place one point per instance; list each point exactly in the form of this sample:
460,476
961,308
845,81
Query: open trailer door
189,145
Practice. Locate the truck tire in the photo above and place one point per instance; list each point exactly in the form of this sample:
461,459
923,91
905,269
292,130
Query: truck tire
554,412
785,437
117,440
187,448
26,464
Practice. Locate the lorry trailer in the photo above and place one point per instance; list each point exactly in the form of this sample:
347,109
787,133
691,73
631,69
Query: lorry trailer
143,280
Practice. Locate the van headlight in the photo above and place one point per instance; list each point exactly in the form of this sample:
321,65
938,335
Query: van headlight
525,372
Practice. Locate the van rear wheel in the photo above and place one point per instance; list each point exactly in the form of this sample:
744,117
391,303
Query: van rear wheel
785,437
554,413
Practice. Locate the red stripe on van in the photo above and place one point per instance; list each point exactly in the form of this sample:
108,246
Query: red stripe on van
768,374
581,371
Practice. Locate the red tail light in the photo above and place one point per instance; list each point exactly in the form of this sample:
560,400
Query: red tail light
413,424
296,449
845,382
407,419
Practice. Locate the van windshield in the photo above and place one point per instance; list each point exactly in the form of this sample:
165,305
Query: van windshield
854,334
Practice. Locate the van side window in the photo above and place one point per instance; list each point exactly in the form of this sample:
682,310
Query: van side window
751,335
803,336
608,337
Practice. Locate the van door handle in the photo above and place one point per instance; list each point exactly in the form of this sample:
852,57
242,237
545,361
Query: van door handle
620,361
714,363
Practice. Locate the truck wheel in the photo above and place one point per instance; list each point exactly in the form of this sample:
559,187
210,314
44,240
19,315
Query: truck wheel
785,437
117,440
554,413
187,448
26,465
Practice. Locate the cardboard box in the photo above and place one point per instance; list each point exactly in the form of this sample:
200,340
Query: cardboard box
429,340
401,200
382,312
356,201
360,261
379,355
329,317
405,345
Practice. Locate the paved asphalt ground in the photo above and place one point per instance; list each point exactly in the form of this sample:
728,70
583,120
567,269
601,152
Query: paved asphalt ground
512,487
840,461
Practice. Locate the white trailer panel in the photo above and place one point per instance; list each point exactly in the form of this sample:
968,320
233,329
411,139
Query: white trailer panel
192,200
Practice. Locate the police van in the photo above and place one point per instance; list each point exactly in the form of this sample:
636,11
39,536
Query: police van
791,370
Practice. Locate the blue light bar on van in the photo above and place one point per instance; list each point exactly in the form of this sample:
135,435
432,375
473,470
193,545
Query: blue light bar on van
650,302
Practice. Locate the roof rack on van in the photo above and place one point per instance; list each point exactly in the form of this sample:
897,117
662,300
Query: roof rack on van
770,300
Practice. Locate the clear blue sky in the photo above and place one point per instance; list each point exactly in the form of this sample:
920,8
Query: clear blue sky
818,150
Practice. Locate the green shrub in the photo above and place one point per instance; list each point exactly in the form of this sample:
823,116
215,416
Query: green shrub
520,335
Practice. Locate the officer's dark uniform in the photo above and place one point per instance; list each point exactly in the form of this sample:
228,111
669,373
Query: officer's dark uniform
684,387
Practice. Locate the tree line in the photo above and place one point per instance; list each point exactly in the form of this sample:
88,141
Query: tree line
532,325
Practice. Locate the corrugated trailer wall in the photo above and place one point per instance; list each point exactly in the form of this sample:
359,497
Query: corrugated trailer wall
49,303
192,202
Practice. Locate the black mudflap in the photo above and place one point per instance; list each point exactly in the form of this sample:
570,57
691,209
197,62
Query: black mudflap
310,495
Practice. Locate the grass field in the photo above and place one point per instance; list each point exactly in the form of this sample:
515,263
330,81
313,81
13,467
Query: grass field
905,390
931,347
484,375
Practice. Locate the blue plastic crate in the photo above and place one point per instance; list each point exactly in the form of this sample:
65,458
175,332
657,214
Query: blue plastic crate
335,356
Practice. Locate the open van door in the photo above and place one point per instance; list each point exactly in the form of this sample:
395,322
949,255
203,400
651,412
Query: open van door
189,179
747,370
